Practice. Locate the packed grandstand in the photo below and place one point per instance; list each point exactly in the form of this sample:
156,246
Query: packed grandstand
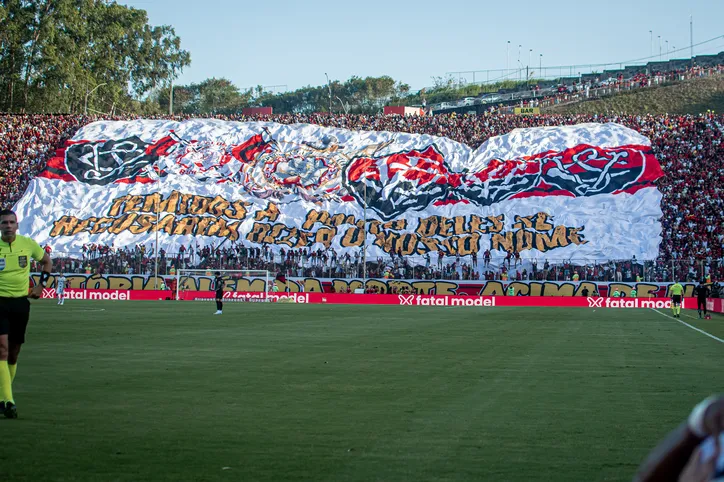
689,148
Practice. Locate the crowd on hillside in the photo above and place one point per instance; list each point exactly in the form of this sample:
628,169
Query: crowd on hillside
689,148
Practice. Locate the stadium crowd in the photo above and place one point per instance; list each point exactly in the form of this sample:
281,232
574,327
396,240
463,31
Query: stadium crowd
689,148
594,87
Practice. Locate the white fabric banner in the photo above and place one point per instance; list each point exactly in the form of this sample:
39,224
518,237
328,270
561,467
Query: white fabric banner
572,192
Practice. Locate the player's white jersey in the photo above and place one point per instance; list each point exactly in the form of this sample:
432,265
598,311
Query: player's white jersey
60,284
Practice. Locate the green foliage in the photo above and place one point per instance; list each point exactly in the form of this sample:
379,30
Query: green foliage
220,96
55,54
356,95
212,96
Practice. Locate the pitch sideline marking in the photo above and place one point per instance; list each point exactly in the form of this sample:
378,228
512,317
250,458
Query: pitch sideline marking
90,309
692,327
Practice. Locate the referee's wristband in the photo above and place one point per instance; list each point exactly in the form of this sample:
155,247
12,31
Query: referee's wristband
696,419
44,277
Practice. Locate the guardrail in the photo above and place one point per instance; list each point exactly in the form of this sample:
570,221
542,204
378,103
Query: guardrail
550,96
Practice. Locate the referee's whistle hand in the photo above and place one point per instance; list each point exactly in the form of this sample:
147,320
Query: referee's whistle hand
36,292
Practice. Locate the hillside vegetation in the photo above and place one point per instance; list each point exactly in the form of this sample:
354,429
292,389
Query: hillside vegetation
689,97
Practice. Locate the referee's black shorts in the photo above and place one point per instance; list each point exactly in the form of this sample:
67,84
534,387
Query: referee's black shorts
14,315
220,294
676,299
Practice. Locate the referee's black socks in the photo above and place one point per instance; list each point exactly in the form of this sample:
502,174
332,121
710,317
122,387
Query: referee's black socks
219,305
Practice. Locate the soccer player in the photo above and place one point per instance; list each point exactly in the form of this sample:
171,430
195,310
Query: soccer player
677,292
15,254
702,293
60,288
219,287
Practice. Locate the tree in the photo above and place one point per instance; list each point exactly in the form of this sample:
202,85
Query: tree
212,96
55,53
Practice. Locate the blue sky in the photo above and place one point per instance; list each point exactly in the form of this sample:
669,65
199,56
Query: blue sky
294,43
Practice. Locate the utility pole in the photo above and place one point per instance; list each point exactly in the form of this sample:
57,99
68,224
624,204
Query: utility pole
170,99
329,88
364,252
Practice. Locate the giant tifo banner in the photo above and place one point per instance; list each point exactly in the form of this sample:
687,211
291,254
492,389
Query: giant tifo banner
582,191
123,282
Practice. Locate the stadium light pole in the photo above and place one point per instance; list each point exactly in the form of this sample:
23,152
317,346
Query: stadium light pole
85,106
691,38
507,59
519,70
651,52
667,49
659,47
527,73
540,66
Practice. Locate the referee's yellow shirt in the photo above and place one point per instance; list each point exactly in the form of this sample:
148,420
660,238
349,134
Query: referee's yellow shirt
676,289
15,265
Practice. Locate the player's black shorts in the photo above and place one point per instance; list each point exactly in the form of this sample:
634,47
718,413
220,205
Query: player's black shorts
220,294
676,299
701,303
14,315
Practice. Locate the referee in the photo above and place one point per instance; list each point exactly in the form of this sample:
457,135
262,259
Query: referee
677,293
15,254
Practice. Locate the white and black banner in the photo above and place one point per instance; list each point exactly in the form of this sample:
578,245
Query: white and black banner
573,192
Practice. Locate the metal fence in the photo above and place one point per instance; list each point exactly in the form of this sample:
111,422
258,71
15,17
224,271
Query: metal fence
331,265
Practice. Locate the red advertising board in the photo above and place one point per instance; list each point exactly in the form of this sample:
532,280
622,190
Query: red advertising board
715,305
257,111
399,300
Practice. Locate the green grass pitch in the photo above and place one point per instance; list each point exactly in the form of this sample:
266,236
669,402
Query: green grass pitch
164,391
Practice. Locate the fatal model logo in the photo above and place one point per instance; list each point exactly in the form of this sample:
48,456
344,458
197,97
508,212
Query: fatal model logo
595,302
445,300
406,300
